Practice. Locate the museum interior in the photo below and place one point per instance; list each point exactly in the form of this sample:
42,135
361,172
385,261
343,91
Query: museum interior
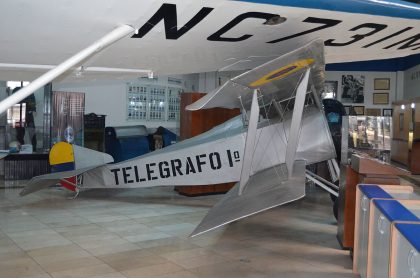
295,167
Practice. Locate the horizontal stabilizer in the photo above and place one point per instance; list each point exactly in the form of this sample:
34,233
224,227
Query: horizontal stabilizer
264,190
44,181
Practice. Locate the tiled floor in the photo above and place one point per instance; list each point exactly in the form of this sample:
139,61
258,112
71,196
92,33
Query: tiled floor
144,233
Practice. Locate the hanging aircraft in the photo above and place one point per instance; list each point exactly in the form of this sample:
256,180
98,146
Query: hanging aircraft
155,37
277,39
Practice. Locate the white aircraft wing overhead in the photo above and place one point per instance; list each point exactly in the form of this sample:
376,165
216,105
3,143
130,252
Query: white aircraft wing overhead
188,36
276,79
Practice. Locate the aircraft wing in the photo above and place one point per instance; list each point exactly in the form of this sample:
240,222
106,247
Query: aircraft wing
189,36
276,79
264,190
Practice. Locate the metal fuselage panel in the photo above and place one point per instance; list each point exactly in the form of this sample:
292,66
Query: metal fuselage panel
217,161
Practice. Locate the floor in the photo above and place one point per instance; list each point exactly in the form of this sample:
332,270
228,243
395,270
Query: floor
144,233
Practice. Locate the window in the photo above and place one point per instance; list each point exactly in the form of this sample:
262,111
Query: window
16,115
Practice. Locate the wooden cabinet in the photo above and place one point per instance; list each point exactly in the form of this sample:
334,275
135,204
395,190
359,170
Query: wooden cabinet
405,147
94,128
94,139
193,123
197,122
362,170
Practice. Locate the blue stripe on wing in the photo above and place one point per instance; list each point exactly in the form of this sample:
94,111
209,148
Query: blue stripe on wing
390,8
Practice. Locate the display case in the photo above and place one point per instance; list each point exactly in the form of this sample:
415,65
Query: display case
365,157
367,134
406,134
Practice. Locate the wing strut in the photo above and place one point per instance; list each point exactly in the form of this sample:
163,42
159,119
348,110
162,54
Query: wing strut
110,38
293,139
250,142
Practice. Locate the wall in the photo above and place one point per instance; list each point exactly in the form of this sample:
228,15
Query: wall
209,81
369,86
412,82
109,98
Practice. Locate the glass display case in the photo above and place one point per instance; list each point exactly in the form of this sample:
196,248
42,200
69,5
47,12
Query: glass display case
367,134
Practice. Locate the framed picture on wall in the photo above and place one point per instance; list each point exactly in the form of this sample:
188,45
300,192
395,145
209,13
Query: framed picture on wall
382,84
373,112
352,88
348,109
387,112
380,98
330,90
359,110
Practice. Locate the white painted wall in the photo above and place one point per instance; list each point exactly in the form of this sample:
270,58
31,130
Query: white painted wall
400,85
412,82
209,81
109,98
369,88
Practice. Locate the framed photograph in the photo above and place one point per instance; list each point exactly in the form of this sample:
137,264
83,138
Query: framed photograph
387,112
330,90
352,88
359,110
348,109
373,112
382,84
380,98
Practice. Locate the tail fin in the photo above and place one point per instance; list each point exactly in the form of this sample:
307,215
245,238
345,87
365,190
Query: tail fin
67,161
62,159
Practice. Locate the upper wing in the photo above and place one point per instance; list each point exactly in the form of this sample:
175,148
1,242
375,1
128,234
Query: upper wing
276,79
187,36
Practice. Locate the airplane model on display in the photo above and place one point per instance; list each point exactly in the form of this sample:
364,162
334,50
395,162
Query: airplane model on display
282,129
282,41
